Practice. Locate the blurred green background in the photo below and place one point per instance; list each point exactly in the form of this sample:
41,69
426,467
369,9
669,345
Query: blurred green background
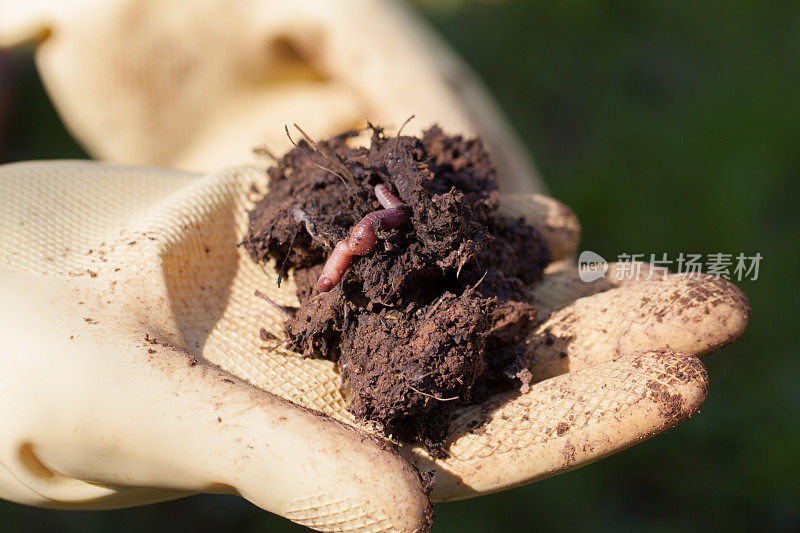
668,127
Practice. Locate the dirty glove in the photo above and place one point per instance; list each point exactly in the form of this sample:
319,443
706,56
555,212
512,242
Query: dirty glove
198,85
134,368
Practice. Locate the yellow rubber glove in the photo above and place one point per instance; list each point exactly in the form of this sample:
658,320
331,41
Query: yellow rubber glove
133,370
198,85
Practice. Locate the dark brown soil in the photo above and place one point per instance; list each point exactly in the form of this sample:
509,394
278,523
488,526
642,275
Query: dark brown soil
432,318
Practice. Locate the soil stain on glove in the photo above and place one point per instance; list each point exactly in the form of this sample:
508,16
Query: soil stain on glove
433,316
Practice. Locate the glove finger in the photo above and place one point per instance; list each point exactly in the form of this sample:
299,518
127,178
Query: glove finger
566,422
563,283
690,314
555,221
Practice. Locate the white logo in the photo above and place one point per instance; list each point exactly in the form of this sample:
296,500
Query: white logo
591,266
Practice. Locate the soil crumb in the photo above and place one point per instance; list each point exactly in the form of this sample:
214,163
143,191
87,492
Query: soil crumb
434,316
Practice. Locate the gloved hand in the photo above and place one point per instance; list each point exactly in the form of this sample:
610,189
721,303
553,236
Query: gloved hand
133,369
198,85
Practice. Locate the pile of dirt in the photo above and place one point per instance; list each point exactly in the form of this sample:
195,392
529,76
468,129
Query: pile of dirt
432,317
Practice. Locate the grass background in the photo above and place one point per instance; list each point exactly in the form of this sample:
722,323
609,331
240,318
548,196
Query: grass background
668,127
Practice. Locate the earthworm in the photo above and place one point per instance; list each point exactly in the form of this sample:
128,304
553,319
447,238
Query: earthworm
386,198
363,237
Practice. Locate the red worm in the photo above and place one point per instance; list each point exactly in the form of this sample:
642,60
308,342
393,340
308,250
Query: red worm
363,237
386,198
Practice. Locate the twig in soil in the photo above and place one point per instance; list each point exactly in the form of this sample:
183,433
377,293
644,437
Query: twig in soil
385,301
363,237
285,259
336,161
326,169
478,282
433,395
397,138
273,303
435,306
461,265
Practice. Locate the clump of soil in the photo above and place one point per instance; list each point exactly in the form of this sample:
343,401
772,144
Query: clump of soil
433,316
